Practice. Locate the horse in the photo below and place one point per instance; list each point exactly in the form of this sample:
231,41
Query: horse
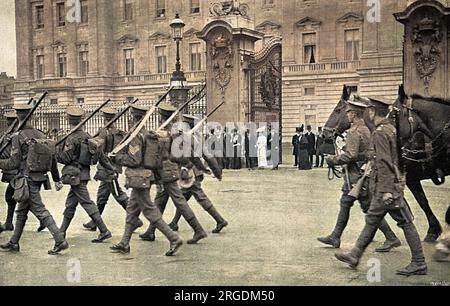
413,118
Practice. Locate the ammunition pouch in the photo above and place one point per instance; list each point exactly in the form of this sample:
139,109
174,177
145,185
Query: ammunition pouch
71,176
138,178
21,189
169,172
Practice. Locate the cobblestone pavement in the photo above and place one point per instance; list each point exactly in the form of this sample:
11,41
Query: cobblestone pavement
274,216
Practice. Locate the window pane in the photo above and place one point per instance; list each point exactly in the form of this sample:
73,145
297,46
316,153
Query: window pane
84,12
195,6
39,16
61,14
160,8
128,9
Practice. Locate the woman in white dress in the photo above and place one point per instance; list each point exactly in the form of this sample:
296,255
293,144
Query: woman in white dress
261,145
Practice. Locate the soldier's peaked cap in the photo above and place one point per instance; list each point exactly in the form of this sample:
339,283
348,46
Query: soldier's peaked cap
190,119
356,106
75,112
109,112
138,110
166,109
380,102
10,114
22,107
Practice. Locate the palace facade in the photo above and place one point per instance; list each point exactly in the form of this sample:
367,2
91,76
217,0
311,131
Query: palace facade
121,49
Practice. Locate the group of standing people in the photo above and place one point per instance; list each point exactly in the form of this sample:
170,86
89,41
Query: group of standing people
307,147
236,150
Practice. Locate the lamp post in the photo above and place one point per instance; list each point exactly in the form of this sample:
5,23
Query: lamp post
180,92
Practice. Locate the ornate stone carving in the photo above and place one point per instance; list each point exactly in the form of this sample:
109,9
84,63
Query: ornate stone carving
269,87
222,57
426,39
231,7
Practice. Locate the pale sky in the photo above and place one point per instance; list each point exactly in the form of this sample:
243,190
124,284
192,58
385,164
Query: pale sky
7,37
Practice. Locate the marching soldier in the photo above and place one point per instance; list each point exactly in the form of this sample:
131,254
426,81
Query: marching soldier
192,172
109,184
387,187
7,177
74,154
32,164
140,180
168,177
357,147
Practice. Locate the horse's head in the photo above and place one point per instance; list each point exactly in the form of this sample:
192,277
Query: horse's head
407,120
338,122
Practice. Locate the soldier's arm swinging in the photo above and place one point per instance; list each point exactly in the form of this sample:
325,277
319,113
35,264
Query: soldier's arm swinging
13,162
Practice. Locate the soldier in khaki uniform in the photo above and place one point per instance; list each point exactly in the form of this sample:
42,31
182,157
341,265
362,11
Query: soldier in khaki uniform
140,180
77,161
355,154
387,187
109,184
168,176
7,176
192,171
31,176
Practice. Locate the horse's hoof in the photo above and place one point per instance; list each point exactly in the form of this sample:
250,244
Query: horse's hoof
431,238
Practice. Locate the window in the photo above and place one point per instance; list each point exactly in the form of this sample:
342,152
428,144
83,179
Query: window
60,14
53,101
84,11
268,2
310,91
309,48
84,63
80,101
195,57
195,6
39,67
128,9
39,16
62,65
352,45
160,8
129,61
161,59
130,99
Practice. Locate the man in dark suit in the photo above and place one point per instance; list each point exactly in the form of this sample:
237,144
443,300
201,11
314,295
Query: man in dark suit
295,143
311,144
319,154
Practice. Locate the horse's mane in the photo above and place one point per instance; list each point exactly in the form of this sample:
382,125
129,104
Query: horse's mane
432,99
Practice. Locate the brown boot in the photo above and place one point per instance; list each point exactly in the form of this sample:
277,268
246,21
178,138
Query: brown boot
199,232
175,240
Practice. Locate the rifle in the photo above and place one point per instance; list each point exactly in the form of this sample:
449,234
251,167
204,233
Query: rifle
166,123
138,126
82,123
356,191
200,123
24,121
12,126
117,117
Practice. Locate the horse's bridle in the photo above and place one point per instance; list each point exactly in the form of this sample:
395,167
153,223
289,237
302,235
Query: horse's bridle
429,151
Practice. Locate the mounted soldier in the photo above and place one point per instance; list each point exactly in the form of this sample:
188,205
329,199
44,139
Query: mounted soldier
32,156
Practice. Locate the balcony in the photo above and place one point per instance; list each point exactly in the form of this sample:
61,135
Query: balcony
156,78
321,68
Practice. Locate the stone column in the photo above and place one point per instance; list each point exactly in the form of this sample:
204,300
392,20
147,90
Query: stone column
229,40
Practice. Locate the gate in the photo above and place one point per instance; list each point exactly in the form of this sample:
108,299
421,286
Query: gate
266,86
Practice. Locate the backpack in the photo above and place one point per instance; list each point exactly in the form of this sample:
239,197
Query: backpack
153,152
41,153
